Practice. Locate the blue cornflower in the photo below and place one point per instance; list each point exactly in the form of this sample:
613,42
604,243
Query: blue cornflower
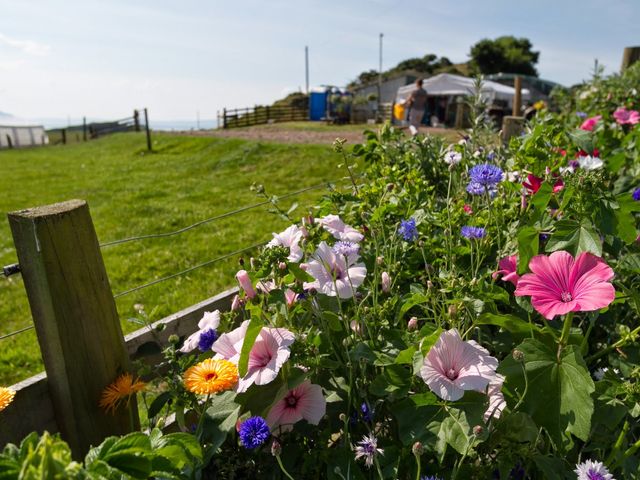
367,412
430,477
346,248
491,155
636,194
473,232
206,339
408,230
254,431
486,174
581,114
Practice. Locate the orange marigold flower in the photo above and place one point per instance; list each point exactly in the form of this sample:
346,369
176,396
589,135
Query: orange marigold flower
6,397
211,376
120,391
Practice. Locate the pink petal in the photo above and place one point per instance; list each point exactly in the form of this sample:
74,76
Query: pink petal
595,297
229,345
549,307
312,404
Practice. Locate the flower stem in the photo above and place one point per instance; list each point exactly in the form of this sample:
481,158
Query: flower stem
620,343
284,470
618,444
564,337
418,464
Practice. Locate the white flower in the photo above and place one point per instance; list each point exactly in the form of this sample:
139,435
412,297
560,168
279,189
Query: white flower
209,321
452,158
368,448
599,373
290,238
590,470
590,163
336,227
513,176
334,274
497,403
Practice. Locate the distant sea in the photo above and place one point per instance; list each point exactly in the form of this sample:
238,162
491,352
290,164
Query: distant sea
168,125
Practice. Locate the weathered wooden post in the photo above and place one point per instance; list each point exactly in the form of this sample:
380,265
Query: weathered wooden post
136,120
84,129
146,128
459,124
517,97
630,56
511,126
64,136
75,319
224,118
9,141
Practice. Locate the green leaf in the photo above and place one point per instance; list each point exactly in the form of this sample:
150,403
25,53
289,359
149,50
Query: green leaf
559,389
158,403
528,244
405,357
541,198
583,139
575,238
255,325
454,431
552,468
510,323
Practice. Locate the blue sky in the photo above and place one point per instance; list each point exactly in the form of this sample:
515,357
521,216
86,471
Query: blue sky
104,58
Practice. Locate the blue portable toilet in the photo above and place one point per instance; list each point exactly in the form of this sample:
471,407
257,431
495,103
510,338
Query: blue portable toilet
318,104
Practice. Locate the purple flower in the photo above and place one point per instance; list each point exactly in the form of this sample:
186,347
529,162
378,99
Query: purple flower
430,477
346,248
473,232
408,230
491,155
368,448
367,412
581,114
207,337
253,432
636,194
486,174
590,470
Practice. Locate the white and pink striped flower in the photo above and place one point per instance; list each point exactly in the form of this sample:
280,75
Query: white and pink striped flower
289,238
305,402
340,230
335,275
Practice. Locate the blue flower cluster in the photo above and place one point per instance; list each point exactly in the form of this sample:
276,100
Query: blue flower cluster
484,178
254,431
206,340
473,232
636,194
408,230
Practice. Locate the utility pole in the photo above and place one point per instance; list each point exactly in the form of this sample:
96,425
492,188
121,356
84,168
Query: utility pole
306,68
380,78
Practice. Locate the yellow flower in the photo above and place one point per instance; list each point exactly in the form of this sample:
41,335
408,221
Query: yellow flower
6,397
211,376
119,391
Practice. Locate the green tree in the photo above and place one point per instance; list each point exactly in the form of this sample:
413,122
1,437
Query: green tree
506,54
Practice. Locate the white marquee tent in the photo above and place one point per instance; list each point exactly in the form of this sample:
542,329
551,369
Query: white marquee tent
16,132
446,84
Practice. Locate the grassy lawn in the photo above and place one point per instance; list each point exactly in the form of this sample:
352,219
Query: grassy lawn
130,193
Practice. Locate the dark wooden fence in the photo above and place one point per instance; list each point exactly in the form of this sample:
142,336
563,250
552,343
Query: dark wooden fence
260,115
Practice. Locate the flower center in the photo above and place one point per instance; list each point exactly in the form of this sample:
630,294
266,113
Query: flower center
591,475
452,374
211,376
566,297
336,272
291,401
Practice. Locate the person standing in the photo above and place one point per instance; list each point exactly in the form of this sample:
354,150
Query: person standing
418,103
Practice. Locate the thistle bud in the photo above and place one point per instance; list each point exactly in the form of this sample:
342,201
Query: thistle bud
412,324
429,285
282,266
477,430
276,448
452,311
417,449
518,355
380,260
174,339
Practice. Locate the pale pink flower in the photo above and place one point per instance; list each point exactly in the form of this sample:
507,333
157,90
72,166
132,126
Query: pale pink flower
289,238
590,123
453,366
236,303
624,116
497,403
412,324
334,274
290,297
336,227
265,286
386,282
559,284
245,282
209,321
305,402
269,352
508,267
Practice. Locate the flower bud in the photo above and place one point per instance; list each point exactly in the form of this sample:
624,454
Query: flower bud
236,303
452,311
282,266
355,326
429,285
518,355
252,262
390,186
477,430
412,324
386,282
417,449
380,260
245,282
313,292
241,261
174,339
276,448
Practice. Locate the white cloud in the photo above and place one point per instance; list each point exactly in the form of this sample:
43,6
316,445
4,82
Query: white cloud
25,46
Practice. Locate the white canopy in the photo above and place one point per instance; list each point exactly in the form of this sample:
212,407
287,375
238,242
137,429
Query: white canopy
449,84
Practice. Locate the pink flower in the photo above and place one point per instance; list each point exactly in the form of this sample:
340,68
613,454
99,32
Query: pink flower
497,403
334,274
590,123
269,352
386,282
305,402
559,284
290,297
236,303
245,282
209,321
467,209
508,269
290,238
336,227
412,324
532,183
624,116
453,366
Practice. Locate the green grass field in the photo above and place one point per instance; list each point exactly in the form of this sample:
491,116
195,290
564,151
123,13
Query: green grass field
131,192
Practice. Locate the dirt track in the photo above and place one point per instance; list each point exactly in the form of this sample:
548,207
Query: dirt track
284,134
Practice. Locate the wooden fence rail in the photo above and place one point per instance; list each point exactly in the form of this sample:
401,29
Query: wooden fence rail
78,330
260,115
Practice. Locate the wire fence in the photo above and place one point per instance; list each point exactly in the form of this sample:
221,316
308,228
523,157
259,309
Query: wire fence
15,268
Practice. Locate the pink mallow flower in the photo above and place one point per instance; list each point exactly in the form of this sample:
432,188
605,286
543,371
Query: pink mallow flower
559,284
305,402
336,227
269,352
508,267
624,116
209,321
289,238
335,275
245,282
453,366
590,123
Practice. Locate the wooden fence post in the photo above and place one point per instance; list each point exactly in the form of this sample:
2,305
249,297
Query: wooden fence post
9,141
136,120
84,129
64,136
75,319
146,127
511,127
517,97
629,57
224,118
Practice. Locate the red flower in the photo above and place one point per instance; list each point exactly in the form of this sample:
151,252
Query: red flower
467,209
532,183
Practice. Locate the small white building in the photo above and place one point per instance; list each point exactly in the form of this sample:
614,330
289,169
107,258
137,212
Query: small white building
16,133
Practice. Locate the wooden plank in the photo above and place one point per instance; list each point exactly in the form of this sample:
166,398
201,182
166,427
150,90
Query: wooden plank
75,318
31,410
